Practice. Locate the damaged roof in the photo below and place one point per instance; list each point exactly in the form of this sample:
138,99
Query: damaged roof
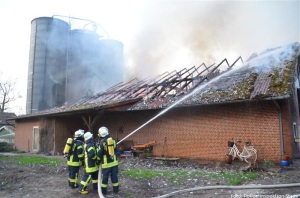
263,76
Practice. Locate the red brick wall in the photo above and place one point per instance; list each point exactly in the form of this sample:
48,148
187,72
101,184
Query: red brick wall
199,132
202,132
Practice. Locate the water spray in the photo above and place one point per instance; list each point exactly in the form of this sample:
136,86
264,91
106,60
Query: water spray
275,54
177,102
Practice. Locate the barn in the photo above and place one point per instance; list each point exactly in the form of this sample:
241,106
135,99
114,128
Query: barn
191,113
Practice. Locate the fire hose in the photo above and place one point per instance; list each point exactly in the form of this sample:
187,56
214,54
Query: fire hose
233,187
99,181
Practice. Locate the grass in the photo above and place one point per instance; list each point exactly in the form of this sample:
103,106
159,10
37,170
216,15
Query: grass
233,178
31,160
238,178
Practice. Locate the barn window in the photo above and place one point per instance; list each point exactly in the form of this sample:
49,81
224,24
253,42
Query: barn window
35,139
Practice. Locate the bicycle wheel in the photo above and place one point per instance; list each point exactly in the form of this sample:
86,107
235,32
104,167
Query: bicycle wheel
251,154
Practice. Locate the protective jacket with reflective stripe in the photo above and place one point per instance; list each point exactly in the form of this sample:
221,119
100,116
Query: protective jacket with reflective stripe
90,157
107,161
76,156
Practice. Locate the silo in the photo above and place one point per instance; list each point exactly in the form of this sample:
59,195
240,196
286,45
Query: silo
47,64
82,59
111,62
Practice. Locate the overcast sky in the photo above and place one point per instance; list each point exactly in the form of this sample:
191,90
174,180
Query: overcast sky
158,35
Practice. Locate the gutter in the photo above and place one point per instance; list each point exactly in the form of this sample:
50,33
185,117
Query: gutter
280,126
76,109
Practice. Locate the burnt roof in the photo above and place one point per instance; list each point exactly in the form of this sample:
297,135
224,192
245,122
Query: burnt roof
263,76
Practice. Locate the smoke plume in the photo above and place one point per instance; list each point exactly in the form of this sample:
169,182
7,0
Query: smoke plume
180,34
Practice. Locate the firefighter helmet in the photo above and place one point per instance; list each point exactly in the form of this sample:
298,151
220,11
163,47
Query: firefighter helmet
87,136
103,131
79,133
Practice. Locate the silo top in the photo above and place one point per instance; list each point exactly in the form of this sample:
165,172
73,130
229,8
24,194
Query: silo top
57,22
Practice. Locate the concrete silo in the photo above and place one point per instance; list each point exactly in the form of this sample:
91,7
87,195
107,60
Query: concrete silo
47,64
67,64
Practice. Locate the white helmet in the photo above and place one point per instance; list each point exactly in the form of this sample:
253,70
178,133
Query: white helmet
103,131
79,133
87,136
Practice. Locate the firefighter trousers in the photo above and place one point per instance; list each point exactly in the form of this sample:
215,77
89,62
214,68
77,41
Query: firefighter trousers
113,173
73,176
87,177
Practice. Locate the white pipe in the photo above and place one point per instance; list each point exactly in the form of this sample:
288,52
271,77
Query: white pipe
230,187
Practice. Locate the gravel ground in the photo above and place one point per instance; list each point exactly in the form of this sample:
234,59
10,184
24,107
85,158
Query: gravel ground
44,181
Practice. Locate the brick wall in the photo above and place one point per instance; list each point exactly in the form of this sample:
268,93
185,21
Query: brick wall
202,132
199,132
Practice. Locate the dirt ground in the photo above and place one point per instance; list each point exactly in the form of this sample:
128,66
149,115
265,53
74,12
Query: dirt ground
44,181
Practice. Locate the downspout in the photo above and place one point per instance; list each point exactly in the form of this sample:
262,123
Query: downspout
280,126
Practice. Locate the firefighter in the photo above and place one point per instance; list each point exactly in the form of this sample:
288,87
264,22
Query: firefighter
91,164
75,158
108,160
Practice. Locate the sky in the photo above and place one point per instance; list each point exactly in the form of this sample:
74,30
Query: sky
158,35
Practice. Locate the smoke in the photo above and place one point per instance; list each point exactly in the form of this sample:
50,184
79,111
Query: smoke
178,34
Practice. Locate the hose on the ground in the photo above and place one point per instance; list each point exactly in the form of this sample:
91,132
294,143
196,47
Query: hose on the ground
232,187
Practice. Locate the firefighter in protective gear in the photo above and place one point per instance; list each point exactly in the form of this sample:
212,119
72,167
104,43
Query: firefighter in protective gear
75,158
91,164
108,160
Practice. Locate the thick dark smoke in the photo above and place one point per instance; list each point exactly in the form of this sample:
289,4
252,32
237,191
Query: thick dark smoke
178,34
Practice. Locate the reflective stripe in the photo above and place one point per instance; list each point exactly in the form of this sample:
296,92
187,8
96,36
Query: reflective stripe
74,163
115,184
111,164
103,185
76,155
72,180
95,181
88,161
85,183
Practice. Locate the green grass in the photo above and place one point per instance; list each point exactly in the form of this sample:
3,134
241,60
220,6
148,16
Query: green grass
31,160
233,178
238,178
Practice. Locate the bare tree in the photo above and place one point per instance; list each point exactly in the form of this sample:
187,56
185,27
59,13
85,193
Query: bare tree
8,93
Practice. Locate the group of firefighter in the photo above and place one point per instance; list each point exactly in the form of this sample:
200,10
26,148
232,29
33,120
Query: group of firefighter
83,150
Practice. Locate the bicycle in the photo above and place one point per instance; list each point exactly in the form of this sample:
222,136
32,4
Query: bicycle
249,153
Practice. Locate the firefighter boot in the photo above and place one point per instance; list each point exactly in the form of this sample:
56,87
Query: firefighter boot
116,189
104,191
83,191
